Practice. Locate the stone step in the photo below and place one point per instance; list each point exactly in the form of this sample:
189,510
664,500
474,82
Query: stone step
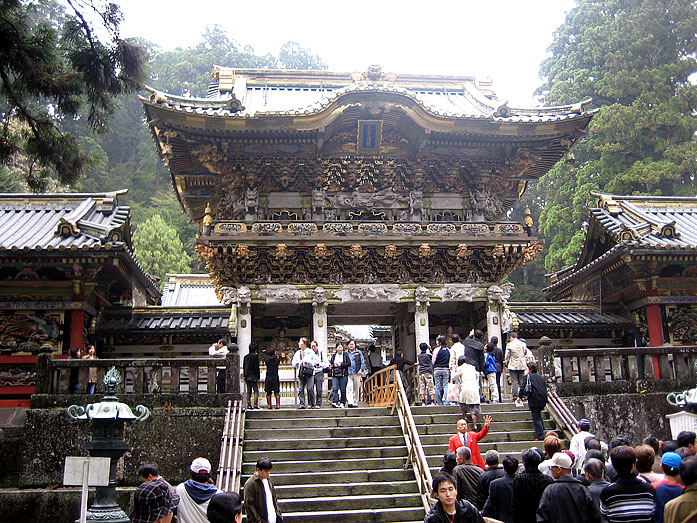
387,515
325,422
275,443
299,432
501,426
347,502
348,489
487,408
313,465
329,453
340,477
502,447
316,413
423,419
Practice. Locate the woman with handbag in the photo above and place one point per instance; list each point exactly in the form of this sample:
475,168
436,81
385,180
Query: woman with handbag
533,388
304,362
339,363
465,390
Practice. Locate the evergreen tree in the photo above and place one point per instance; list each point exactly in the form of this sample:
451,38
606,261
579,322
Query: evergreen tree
159,249
633,58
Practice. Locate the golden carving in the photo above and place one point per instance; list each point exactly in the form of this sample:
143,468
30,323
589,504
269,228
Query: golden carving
243,250
425,250
532,252
356,251
321,250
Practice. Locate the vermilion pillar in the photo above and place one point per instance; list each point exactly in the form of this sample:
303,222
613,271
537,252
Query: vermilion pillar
77,328
654,323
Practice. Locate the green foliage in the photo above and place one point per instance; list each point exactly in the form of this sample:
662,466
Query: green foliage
54,68
633,58
159,249
293,56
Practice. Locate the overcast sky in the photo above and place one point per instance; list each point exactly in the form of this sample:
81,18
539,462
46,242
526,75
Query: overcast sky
502,39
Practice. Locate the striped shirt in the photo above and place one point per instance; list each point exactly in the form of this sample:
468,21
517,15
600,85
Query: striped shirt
628,500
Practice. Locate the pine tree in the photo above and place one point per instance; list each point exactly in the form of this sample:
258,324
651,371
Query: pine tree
159,249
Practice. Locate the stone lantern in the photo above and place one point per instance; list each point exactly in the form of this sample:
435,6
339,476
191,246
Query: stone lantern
108,418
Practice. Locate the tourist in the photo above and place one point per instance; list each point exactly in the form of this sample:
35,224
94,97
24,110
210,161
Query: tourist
686,439
594,472
534,389
465,390
304,361
225,508
374,360
426,386
566,500
627,499
492,472
75,354
318,378
617,441
645,457
250,370
150,473
355,372
152,500
498,354
655,444
669,487
219,350
457,350
498,503
195,493
467,475
474,352
260,503
448,508
92,373
578,442
470,440
400,361
449,462
441,373
272,382
515,361
528,487
552,445
340,364
669,446
683,509
490,372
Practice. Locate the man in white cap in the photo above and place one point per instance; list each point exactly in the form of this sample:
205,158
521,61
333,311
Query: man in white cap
195,493
578,442
567,499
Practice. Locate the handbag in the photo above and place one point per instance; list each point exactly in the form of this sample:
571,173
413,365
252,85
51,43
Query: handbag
528,387
454,392
307,371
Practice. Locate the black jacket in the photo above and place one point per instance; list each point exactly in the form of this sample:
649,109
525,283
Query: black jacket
498,504
489,475
527,491
338,372
474,353
250,367
567,500
466,513
537,398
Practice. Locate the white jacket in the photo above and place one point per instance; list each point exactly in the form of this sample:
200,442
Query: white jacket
515,355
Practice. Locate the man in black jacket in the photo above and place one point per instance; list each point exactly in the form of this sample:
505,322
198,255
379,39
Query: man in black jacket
567,499
493,471
250,369
474,354
448,508
534,389
498,504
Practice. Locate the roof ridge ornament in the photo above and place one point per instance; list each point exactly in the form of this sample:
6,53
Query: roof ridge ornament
374,73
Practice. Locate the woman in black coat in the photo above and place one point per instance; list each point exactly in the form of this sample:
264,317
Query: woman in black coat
339,363
534,389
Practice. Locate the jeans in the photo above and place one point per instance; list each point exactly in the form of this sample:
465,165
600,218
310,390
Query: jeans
339,384
538,423
441,378
317,380
305,383
90,387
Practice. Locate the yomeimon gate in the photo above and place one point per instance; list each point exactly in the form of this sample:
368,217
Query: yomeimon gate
338,198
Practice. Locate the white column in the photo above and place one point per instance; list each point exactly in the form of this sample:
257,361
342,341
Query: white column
319,327
421,328
244,325
493,318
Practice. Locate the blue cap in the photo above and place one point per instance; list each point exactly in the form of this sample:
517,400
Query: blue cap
671,459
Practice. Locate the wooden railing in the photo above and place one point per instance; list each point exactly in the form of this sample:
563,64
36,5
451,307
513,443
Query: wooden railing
416,457
379,390
140,375
620,370
230,466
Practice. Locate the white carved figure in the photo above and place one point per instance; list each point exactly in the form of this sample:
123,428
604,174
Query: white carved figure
244,296
319,297
228,295
416,204
422,296
465,292
251,200
282,294
389,292
479,199
318,200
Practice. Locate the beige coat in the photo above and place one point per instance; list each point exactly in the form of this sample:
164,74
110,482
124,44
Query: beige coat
515,355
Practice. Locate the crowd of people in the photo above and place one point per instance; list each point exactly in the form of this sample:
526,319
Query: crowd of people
596,482
198,500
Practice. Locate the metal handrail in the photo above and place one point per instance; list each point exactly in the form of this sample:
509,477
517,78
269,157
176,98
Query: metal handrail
230,464
417,456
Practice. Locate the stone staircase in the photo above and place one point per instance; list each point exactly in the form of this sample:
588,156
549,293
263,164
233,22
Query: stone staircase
333,464
511,430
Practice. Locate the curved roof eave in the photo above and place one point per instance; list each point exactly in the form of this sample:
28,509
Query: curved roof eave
321,114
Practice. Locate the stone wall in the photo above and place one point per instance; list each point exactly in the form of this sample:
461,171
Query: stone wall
635,415
170,439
